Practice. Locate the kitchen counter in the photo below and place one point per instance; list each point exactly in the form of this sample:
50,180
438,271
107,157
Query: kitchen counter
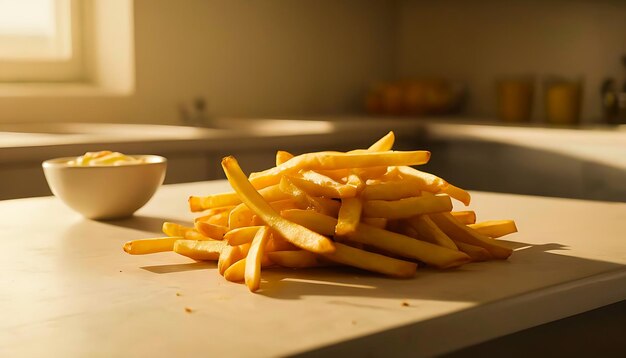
68,289
587,163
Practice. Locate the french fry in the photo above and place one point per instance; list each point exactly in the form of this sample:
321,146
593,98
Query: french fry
316,184
237,271
200,250
253,260
434,184
296,234
406,208
220,219
477,253
277,243
370,261
215,232
427,230
210,213
216,216
201,203
349,216
466,216
495,228
459,232
242,235
383,144
299,195
150,246
395,243
390,190
330,207
230,255
240,216
282,156
335,160
457,193
189,233
380,223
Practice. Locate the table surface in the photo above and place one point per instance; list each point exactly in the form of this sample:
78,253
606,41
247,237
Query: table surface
68,289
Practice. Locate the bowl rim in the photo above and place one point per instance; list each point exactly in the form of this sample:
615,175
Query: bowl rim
63,162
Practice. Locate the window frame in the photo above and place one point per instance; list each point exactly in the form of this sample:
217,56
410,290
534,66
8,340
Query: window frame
66,64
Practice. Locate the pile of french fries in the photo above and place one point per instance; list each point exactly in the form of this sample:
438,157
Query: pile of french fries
366,208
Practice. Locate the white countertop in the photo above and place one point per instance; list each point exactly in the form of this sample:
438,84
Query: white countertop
68,289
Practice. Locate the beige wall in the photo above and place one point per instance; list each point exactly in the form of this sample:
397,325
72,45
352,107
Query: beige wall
247,58
479,40
315,57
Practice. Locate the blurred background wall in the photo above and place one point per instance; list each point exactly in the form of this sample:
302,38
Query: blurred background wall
287,58
479,41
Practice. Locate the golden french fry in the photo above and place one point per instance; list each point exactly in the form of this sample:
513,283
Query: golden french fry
380,223
236,272
390,190
383,144
253,259
349,216
240,216
214,232
406,208
401,245
466,216
242,235
427,230
150,246
210,213
230,255
459,232
434,184
243,216
336,175
189,233
495,228
277,243
303,199
201,203
220,219
282,156
370,261
355,181
477,253
316,184
336,160
200,250
296,234
457,193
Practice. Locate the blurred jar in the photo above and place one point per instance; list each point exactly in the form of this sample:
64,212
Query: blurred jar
562,101
515,99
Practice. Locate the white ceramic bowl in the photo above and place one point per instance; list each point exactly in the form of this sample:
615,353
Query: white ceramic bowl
105,192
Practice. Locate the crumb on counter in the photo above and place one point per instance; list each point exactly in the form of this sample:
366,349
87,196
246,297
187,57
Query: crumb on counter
188,309
405,304
178,294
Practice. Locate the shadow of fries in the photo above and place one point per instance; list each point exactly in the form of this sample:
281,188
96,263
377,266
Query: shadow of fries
531,267
199,265
145,223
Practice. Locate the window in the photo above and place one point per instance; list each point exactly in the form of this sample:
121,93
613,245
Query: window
40,41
